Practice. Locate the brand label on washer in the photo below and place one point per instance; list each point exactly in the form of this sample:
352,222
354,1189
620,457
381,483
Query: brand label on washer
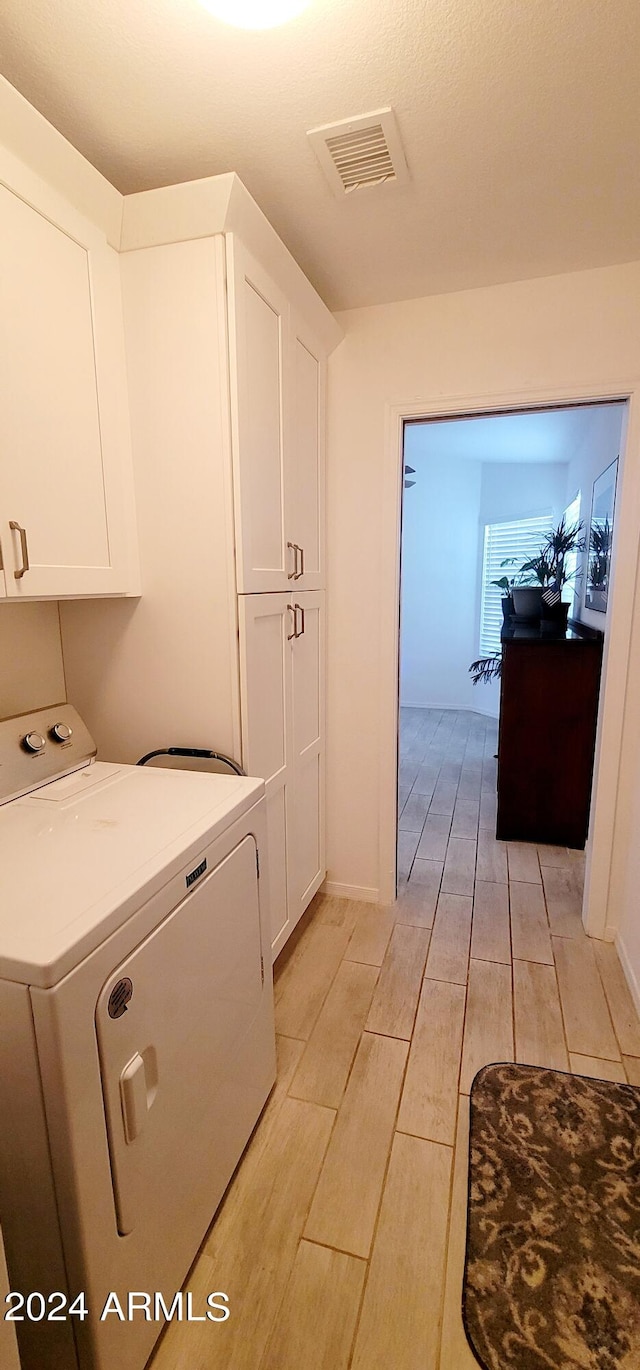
196,873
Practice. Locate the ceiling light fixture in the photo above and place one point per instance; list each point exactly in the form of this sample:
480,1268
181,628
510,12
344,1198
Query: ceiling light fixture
255,14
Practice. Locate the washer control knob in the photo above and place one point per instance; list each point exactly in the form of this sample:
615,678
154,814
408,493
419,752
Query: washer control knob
34,742
61,732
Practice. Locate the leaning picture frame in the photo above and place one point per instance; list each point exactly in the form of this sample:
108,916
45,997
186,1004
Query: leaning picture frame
603,502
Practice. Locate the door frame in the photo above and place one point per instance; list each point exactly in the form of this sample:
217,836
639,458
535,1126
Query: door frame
598,918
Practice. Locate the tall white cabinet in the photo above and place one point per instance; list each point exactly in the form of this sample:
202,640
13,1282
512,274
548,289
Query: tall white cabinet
227,345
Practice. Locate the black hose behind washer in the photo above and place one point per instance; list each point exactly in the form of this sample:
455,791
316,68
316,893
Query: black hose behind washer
200,752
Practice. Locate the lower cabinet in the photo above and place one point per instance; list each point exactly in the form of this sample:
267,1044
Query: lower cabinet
282,707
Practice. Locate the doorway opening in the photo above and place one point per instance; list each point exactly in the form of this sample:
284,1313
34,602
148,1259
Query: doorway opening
482,495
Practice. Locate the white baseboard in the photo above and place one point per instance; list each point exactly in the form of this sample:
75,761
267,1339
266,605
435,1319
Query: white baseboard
361,892
629,973
457,708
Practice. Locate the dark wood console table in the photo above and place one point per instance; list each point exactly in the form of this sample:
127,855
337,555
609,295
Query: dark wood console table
548,715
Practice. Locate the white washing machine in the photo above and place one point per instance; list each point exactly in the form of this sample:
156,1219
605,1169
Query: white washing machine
137,1042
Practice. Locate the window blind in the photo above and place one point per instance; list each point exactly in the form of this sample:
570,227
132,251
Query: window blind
520,539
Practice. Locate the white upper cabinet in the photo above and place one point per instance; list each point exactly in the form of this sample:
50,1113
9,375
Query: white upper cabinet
277,406
66,515
260,385
305,458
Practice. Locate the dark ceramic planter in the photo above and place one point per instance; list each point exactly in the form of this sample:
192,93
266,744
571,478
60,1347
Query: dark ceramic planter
527,600
556,613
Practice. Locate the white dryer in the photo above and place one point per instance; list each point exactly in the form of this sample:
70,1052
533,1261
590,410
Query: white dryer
137,1042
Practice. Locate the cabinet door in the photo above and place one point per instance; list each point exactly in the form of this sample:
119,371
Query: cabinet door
260,402
544,776
305,457
65,493
306,843
265,689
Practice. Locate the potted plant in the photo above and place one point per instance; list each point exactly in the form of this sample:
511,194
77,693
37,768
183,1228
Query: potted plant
520,597
561,541
542,600
527,597
486,668
549,571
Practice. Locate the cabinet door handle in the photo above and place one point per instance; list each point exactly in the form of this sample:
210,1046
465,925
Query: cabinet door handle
298,568
297,607
24,548
295,623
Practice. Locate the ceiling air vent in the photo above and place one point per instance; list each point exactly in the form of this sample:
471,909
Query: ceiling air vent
365,151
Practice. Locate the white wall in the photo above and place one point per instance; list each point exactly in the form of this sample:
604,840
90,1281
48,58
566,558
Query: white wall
600,446
31,670
551,339
439,574
520,490
444,515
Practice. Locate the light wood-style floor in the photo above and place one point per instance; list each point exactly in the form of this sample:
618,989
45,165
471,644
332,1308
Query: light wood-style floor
341,1240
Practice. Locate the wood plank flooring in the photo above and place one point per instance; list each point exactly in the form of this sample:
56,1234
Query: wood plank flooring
341,1239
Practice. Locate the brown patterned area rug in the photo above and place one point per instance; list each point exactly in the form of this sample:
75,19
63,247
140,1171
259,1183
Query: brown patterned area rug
552,1272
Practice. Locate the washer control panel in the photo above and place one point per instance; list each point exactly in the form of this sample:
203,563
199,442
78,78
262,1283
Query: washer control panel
41,746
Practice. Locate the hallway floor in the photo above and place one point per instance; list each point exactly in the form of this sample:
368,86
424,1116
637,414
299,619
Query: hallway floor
341,1240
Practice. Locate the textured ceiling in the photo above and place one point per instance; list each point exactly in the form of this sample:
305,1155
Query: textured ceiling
520,122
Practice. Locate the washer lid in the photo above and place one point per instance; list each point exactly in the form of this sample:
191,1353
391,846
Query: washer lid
82,854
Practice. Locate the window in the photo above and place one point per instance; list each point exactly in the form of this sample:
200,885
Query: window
519,539
571,518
